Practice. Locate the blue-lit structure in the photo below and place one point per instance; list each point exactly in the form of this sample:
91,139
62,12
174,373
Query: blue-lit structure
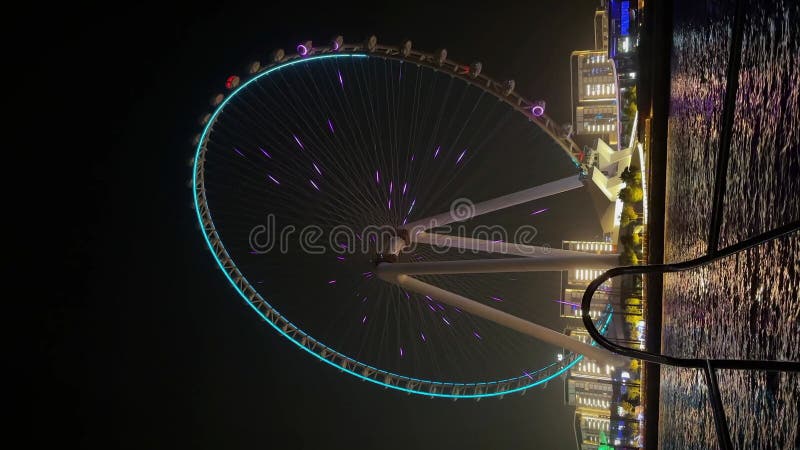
623,42
255,300
622,24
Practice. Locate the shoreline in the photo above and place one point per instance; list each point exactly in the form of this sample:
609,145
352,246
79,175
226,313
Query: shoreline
653,103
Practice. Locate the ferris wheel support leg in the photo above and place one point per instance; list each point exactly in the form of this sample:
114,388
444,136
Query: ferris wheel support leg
501,265
495,204
503,318
506,248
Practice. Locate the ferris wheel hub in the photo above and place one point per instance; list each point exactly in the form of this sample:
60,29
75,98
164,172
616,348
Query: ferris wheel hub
391,253
385,258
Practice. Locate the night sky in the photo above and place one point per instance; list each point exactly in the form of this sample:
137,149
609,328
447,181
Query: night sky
137,340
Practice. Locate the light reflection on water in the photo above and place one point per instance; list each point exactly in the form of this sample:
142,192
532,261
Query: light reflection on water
748,305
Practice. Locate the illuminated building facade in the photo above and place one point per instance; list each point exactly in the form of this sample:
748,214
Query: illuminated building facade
592,426
594,96
570,307
605,122
574,281
623,38
590,246
599,119
589,387
601,75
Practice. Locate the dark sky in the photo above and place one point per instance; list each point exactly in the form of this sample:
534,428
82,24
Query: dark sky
137,341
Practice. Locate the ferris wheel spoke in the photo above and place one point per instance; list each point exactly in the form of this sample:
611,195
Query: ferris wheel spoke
318,142
368,160
495,204
545,263
523,326
483,245
343,150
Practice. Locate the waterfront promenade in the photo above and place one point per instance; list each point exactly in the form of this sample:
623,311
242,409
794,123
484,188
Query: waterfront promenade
743,307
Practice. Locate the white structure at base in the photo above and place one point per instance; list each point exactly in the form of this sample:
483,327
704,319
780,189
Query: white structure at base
606,184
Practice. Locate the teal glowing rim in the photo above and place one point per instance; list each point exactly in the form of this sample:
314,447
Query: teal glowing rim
271,322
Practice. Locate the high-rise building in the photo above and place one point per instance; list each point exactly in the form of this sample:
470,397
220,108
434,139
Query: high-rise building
594,95
623,38
595,76
604,248
589,387
594,429
589,394
571,304
574,281
604,123
599,120
582,277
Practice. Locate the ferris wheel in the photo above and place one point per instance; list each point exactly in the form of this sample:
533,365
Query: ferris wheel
359,199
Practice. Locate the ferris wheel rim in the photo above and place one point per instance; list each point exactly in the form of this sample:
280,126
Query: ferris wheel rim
305,341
